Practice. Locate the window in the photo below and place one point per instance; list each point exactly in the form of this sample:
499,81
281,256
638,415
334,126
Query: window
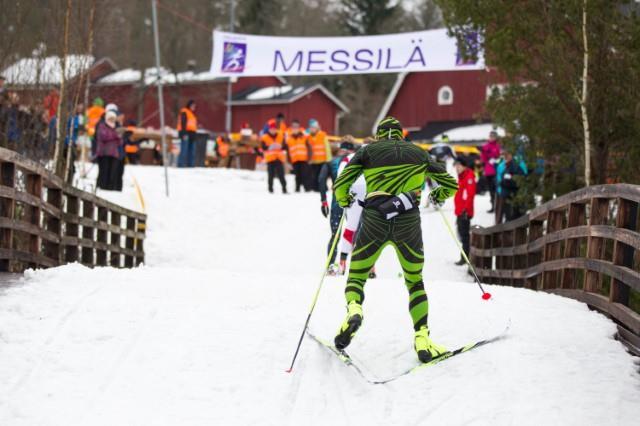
445,96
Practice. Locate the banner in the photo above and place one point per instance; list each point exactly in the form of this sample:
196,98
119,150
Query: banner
433,50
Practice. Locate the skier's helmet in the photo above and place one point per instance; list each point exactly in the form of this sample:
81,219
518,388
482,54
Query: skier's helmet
389,128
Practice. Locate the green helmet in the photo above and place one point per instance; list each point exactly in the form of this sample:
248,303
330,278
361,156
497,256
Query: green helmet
389,128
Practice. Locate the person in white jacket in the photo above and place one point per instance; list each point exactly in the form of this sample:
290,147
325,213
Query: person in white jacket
352,218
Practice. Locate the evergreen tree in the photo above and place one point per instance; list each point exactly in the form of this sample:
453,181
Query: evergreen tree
541,43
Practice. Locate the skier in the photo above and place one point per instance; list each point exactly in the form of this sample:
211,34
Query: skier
353,214
330,170
394,171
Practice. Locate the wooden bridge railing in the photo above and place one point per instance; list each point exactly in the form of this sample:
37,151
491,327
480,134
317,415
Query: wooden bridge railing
584,245
45,222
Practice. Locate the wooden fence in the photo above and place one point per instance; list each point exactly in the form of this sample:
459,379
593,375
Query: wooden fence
584,245
45,222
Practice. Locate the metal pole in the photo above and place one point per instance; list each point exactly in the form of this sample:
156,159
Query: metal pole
160,96
229,83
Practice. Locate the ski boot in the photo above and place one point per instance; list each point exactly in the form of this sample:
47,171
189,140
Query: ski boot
460,262
426,349
350,325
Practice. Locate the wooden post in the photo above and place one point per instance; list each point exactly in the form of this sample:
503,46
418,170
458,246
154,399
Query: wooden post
553,251
577,217
52,249
103,219
142,227
622,253
520,260
33,213
595,245
7,211
130,243
536,230
88,233
71,252
114,261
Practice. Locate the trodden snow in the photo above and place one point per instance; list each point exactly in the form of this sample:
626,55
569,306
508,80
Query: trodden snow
202,334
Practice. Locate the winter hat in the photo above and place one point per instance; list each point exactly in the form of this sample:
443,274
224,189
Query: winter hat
271,124
389,128
314,123
112,107
98,101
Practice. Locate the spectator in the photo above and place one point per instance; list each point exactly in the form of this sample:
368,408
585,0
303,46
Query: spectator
131,147
187,127
75,127
223,145
121,152
320,152
489,153
108,143
299,153
272,147
463,202
12,121
94,114
507,187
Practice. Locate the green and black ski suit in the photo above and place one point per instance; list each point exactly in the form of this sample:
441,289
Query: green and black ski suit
391,167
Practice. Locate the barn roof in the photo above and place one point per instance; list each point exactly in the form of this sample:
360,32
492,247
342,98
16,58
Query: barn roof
48,70
282,95
133,76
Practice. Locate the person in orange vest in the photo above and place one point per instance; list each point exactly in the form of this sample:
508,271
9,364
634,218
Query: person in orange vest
223,151
94,114
272,143
187,127
131,147
299,152
320,152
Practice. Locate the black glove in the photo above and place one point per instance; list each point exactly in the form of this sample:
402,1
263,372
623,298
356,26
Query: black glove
464,215
398,204
435,197
325,209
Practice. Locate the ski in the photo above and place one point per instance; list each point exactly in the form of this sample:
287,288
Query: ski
347,360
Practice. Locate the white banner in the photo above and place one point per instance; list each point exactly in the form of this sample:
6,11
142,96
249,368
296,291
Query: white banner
248,55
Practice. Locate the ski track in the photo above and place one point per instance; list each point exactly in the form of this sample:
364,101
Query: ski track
202,334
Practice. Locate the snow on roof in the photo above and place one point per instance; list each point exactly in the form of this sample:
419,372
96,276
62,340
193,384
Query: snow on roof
48,70
271,92
470,133
126,75
130,75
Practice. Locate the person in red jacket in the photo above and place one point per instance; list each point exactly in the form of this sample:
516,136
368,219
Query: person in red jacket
463,202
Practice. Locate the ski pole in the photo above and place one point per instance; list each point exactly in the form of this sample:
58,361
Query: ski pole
336,237
485,295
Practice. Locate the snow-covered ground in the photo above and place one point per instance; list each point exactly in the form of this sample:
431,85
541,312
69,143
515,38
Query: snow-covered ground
203,333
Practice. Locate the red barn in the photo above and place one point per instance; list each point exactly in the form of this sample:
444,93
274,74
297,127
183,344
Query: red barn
256,106
429,103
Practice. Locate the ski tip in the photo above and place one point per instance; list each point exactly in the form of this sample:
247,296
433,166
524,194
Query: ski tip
486,296
288,370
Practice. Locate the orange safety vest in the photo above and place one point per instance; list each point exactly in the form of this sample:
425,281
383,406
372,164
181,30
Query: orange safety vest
272,147
223,148
131,148
93,116
298,147
319,152
192,121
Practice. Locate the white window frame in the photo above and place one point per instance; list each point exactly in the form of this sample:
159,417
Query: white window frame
441,93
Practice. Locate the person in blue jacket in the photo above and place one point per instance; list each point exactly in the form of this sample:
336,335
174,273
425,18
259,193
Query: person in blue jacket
507,186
